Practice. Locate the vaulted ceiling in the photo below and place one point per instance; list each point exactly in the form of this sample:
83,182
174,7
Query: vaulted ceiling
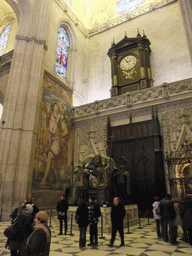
93,13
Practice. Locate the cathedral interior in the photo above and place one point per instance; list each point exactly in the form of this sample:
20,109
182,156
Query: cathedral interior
95,99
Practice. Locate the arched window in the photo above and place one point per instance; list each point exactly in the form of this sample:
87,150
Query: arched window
62,52
125,6
4,38
1,110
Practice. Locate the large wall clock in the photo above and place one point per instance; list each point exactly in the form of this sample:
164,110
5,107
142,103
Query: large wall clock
130,65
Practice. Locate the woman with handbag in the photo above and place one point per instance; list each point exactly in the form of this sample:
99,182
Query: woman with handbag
19,230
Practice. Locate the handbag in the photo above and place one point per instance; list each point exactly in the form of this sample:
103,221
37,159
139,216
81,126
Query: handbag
11,230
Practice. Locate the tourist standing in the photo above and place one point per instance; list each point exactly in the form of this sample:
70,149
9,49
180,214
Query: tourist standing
157,217
167,212
117,216
62,208
178,220
81,217
94,214
186,216
21,230
39,241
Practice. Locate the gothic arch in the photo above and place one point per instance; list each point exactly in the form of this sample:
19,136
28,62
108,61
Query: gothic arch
15,7
143,155
144,188
122,159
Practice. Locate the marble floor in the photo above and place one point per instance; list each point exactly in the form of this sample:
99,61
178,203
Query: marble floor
140,242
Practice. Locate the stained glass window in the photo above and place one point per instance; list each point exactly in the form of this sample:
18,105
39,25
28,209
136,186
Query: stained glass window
62,52
125,6
4,38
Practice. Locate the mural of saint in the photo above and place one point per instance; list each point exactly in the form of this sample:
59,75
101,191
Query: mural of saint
55,138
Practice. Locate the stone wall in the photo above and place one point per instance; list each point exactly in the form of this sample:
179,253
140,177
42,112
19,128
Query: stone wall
89,69
171,101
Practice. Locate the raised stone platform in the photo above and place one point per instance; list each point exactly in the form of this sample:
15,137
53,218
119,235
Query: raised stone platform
132,210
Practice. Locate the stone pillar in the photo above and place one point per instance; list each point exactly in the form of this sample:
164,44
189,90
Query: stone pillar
19,119
186,12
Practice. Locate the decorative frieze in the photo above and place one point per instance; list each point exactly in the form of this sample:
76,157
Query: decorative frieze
133,100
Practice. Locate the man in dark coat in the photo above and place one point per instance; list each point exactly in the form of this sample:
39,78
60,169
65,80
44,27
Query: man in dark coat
62,207
117,216
186,216
167,213
82,221
94,214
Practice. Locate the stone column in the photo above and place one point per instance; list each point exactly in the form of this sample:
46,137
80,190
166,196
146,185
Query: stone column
19,119
186,12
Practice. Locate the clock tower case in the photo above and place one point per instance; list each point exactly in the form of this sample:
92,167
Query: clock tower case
130,65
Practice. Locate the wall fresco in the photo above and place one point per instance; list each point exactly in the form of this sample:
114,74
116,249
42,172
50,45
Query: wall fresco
53,167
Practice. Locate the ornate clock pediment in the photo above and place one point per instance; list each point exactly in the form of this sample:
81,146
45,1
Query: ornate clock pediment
128,43
130,65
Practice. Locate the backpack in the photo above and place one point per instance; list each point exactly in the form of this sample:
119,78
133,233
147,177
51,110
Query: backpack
157,210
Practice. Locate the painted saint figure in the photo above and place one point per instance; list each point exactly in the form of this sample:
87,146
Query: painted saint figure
57,142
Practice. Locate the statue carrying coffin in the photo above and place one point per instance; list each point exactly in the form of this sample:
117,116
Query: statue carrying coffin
98,176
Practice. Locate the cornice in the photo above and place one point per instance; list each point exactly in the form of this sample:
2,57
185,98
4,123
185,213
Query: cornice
138,100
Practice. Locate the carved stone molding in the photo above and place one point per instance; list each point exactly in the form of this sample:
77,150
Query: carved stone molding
30,39
136,100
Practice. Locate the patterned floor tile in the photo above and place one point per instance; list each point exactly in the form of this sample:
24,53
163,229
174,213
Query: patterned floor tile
141,242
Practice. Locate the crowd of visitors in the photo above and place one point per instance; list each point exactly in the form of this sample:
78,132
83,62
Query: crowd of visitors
170,213
29,234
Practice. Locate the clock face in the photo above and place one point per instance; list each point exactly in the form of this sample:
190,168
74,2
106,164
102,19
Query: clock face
128,62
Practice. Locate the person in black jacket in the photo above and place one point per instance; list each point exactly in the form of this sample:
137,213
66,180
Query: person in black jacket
117,216
62,208
94,214
81,217
186,216
168,214
21,229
